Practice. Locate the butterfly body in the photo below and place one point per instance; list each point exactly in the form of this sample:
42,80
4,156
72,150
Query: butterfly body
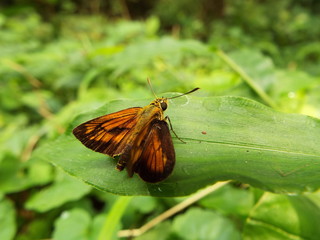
139,136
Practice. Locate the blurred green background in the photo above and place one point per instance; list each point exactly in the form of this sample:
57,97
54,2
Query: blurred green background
59,59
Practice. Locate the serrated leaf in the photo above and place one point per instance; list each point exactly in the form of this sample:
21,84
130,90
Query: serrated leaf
227,138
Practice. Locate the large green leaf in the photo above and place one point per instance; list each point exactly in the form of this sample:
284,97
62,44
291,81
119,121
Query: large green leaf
227,138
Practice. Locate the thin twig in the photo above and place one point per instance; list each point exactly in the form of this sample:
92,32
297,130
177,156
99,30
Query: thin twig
26,153
20,69
177,208
43,109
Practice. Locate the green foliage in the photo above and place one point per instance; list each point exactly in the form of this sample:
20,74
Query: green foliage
283,217
244,141
61,191
230,201
7,220
58,69
204,224
74,219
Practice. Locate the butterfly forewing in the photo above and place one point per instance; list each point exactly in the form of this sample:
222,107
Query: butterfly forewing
157,157
104,134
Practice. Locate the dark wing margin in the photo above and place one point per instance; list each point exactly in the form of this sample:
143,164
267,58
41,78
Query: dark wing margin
157,158
104,134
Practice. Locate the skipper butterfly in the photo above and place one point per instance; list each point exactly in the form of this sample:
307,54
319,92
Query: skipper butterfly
139,137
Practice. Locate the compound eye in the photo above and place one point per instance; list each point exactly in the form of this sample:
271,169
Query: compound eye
163,106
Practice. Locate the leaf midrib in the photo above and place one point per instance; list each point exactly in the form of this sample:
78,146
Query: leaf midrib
251,147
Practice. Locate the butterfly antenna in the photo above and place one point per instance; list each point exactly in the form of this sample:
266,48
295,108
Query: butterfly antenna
149,82
193,90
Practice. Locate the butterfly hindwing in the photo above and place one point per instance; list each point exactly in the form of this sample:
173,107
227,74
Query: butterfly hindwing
153,155
104,134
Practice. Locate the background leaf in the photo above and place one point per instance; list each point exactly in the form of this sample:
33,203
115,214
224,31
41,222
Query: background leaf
283,217
64,190
243,140
230,201
66,59
200,224
72,225
7,220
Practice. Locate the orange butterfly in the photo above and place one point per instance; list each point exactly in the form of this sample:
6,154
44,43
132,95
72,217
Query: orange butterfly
139,137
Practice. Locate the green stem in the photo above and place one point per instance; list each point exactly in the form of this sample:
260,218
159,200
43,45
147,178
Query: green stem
113,218
255,87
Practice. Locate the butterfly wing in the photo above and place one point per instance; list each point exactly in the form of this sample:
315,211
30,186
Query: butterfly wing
106,133
152,155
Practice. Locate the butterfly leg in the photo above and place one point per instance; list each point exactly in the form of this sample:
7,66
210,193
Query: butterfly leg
167,118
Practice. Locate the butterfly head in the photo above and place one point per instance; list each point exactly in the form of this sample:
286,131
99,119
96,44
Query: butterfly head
161,103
